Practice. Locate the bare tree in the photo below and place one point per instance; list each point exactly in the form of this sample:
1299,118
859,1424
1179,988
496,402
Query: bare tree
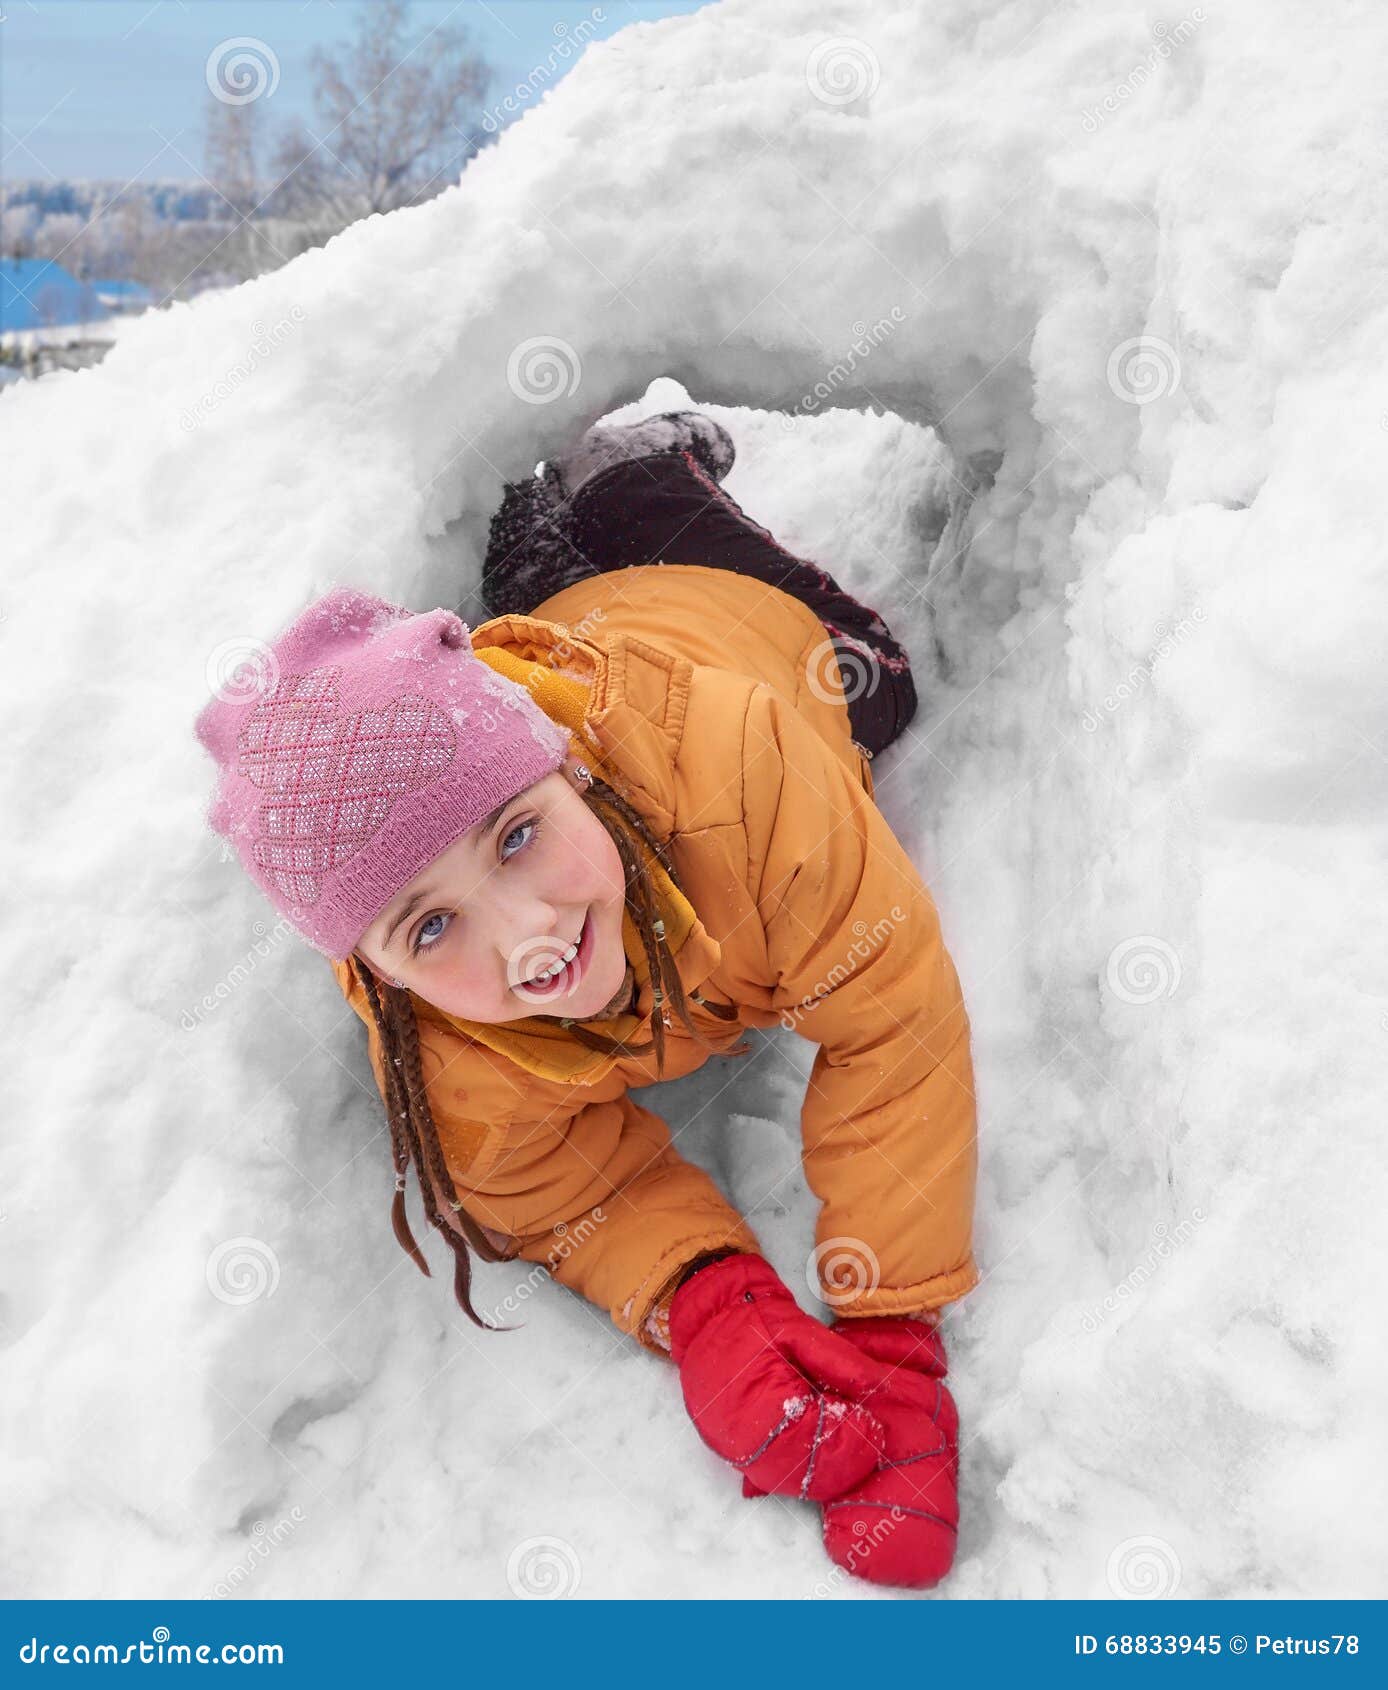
391,121
229,162
19,225
229,153
59,237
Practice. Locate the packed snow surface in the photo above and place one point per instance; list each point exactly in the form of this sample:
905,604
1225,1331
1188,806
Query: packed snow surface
1056,332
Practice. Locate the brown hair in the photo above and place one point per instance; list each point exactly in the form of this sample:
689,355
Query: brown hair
413,1134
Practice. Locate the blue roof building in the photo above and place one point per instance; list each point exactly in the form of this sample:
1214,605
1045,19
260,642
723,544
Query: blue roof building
38,293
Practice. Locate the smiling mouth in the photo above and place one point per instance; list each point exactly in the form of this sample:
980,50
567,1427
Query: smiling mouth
569,974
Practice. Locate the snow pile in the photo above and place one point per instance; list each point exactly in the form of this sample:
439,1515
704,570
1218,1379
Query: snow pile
1112,277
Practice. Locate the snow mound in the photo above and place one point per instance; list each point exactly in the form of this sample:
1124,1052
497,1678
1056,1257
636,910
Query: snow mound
1055,332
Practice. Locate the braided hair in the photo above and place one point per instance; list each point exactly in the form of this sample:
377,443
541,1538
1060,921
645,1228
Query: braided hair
413,1134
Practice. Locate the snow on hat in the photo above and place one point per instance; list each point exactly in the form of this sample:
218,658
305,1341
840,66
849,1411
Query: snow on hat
373,739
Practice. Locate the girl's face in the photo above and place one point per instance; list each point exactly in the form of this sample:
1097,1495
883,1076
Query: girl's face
472,932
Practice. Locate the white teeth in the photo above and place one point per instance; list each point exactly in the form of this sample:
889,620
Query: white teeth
558,967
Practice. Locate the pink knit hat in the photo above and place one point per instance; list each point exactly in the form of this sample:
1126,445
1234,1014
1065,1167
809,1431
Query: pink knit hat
372,739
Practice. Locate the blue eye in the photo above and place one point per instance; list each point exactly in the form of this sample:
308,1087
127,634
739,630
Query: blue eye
420,942
520,827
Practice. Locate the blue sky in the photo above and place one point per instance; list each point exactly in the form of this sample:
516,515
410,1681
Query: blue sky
117,88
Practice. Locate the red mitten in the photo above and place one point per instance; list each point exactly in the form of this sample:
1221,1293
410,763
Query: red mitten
901,1524
768,1387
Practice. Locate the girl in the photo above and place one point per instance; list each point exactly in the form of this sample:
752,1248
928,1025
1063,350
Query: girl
579,849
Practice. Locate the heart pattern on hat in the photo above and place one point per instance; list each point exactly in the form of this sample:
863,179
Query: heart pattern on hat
331,780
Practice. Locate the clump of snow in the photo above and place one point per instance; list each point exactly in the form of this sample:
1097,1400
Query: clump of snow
1056,334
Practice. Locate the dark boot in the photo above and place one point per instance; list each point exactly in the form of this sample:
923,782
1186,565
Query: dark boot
671,431
529,556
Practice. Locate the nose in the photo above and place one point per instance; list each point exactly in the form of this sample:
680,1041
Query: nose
523,923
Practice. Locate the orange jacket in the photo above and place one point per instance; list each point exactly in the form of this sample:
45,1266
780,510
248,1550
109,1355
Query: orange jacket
803,909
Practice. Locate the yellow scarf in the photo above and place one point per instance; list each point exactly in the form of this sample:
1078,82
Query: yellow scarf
536,1043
